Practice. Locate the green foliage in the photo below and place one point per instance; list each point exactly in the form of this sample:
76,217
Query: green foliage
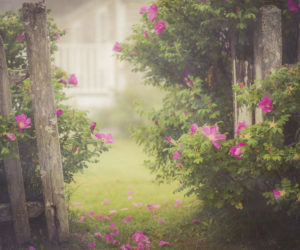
73,125
195,46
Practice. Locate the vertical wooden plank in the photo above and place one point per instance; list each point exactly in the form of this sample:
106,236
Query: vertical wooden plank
267,46
38,52
12,167
298,41
242,73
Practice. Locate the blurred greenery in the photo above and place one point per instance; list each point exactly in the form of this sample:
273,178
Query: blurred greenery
124,113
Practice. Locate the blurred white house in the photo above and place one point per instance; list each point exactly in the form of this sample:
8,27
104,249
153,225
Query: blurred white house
86,50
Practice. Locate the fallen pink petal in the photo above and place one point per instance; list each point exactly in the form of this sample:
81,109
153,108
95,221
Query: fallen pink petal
98,235
116,242
163,243
92,244
76,203
81,220
112,226
108,238
114,232
100,217
161,220
178,203
137,204
112,212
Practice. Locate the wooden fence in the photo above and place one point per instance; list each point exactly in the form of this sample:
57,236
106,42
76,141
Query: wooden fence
265,59
54,207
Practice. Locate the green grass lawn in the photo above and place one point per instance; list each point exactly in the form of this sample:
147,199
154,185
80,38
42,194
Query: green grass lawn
119,175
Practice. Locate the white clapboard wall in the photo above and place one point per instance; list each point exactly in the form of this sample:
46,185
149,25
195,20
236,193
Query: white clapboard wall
96,70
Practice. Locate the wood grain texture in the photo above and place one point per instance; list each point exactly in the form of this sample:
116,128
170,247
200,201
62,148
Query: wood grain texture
267,46
34,209
242,73
38,53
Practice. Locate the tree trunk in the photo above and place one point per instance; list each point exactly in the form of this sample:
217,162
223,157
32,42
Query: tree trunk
38,53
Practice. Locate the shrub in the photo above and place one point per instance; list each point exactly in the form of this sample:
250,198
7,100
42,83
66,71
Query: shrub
249,183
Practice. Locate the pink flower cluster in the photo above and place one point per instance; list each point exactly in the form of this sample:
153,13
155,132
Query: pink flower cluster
106,137
72,80
140,240
293,5
266,104
20,37
276,194
23,122
237,151
117,47
152,15
211,132
59,112
11,137
240,126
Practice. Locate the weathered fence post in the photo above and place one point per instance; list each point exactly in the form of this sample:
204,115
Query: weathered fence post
38,53
242,73
12,167
267,46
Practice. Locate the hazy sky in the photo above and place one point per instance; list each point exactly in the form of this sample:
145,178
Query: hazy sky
58,7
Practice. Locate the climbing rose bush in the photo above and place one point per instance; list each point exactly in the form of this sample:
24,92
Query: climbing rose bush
192,138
